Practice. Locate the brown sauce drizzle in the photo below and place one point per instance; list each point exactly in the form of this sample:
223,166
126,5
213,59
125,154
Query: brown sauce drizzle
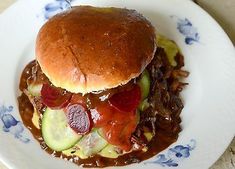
166,128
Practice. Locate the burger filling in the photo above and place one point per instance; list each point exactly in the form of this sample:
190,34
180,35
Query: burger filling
113,122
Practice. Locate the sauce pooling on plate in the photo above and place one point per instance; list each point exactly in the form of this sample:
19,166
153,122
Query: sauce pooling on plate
160,118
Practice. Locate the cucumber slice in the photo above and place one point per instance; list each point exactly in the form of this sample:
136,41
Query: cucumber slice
144,83
75,151
100,132
35,90
92,143
56,132
110,151
143,105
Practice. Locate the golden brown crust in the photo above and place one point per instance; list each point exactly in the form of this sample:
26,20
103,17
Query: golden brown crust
88,49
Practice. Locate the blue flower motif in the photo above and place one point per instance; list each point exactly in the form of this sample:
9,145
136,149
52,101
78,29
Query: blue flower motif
56,7
163,161
174,155
178,153
187,29
11,125
4,109
8,121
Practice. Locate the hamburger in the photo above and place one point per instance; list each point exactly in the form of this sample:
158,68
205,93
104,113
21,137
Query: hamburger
104,88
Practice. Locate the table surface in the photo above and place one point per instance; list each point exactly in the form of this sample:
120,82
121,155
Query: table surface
223,12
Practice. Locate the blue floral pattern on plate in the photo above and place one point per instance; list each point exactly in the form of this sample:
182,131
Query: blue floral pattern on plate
186,28
55,7
11,125
174,155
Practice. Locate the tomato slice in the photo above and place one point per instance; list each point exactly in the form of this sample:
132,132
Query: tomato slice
127,101
119,133
55,98
78,118
116,126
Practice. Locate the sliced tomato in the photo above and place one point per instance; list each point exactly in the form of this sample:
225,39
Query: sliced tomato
115,125
102,114
119,134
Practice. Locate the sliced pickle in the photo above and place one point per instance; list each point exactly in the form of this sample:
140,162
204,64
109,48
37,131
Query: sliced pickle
92,143
110,151
75,151
144,83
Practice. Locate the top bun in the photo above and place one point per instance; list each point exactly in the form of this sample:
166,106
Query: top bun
88,49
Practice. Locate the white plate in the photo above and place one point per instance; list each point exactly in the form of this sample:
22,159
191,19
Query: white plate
208,119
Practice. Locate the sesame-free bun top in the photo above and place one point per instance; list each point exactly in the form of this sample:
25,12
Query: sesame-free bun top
88,49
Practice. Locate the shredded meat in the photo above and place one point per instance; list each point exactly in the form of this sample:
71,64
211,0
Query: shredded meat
37,76
33,76
164,100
